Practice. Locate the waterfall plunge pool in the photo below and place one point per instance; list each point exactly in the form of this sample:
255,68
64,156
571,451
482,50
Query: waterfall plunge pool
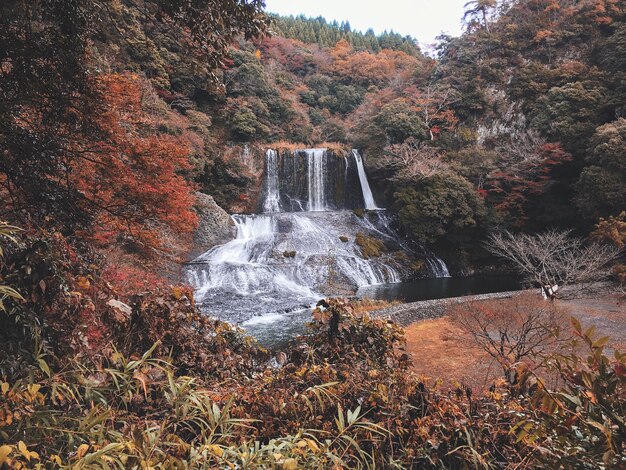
273,331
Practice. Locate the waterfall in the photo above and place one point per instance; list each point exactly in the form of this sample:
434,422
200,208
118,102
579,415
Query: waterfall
437,266
313,180
316,178
368,198
281,260
272,194
285,260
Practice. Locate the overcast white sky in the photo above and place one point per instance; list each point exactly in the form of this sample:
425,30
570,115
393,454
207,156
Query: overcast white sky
422,19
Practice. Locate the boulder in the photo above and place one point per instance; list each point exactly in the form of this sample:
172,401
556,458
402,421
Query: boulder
215,227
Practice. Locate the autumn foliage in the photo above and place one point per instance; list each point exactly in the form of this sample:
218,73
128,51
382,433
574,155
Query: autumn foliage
204,394
132,177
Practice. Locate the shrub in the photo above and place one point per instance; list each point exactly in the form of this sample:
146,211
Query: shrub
581,425
439,206
152,383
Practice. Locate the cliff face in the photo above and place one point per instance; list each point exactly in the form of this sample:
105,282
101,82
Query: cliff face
215,226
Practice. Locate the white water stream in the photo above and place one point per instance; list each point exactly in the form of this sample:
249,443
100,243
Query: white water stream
316,178
368,198
272,199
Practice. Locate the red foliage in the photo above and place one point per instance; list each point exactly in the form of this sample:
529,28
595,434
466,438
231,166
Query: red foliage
512,188
132,176
128,279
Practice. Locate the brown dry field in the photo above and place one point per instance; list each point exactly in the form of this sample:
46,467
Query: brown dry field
440,349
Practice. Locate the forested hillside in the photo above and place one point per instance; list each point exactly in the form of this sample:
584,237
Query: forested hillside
129,126
517,124
319,31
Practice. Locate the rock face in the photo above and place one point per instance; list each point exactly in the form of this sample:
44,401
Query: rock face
215,227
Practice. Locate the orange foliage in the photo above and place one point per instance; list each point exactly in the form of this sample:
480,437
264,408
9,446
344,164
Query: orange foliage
127,279
132,176
366,68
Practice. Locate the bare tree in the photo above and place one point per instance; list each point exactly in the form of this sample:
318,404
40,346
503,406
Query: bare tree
413,160
434,106
522,328
555,259
522,154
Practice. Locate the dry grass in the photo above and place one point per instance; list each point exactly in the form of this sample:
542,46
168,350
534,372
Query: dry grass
367,305
441,349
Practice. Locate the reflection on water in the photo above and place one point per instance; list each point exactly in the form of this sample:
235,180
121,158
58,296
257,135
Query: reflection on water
440,288
275,330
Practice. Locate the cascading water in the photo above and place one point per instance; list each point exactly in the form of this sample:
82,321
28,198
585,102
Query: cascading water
368,198
281,261
437,266
272,198
316,159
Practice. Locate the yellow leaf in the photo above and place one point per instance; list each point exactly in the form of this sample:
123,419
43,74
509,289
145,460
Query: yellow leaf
4,387
82,282
216,450
4,453
142,379
22,448
290,464
82,450
56,459
313,445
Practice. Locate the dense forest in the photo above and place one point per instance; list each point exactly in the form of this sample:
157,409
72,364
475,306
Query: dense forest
319,31
116,114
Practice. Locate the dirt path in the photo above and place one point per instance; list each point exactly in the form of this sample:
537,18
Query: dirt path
441,349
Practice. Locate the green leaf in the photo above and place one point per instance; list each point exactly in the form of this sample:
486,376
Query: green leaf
43,365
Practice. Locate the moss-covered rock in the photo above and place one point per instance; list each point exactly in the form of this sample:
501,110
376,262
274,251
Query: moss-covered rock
370,247
418,265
